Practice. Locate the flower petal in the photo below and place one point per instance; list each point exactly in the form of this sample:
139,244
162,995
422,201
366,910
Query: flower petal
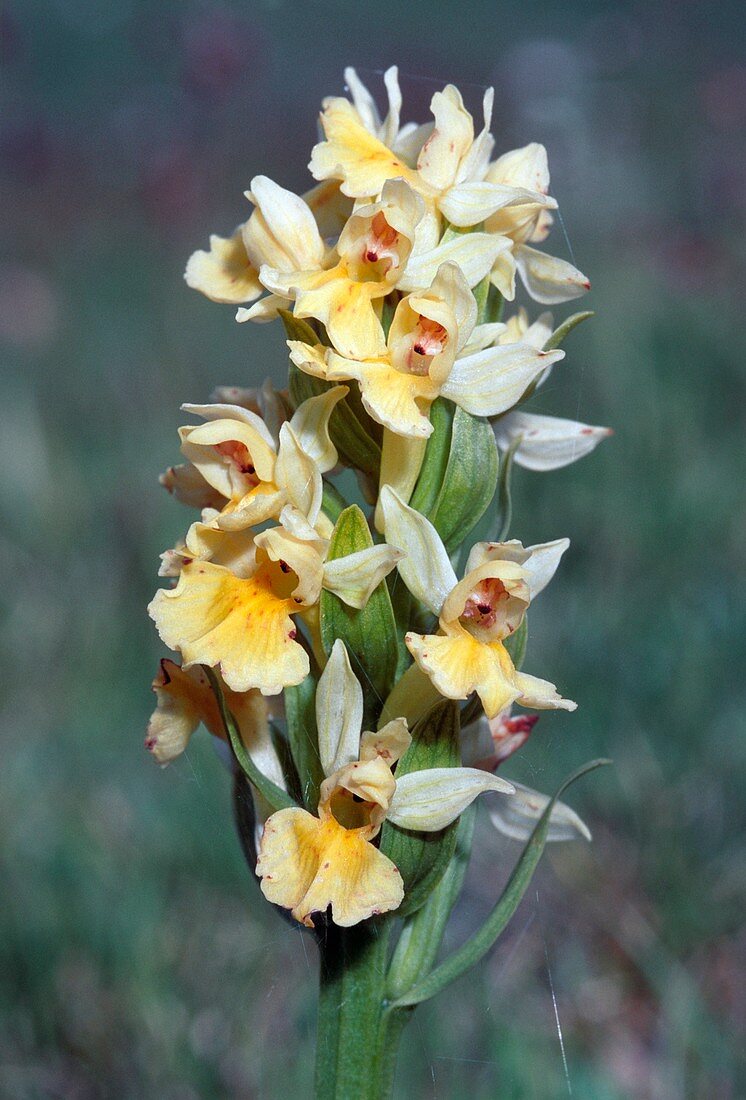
474,253
548,279
429,800
306,865
458,665
468,204
215,618
450,141
264,310
189,487
225,273
292,241
339,711
354,577
516,815
540,694
392,397
297,473
491,381
547,442
310,423
426,570
351,154
390,742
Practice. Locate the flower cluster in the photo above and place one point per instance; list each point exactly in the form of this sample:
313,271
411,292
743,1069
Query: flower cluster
303,619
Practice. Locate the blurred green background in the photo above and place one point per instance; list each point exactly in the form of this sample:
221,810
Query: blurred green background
136,958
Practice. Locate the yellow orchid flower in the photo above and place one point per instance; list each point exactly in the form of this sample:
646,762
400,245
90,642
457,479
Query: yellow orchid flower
475,615
307,863
236,593
428,353
185,699
253,472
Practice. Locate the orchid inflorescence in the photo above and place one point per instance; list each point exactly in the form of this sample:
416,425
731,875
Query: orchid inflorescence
363,660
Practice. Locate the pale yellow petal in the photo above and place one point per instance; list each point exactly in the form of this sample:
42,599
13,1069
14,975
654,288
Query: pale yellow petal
425,568
189,487
548,279
215,618
397,400
353,155
339,711
429,800
401,461
451,139
283,231
225,273
390,742
298,475
306,865
459,665
310,423
354,577
540,694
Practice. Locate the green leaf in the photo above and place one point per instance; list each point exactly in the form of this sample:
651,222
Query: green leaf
477,946
421,936
333,503
564,330
436,457
504,501
297,329
370,633
422,858
300,713
277,798
495,306
469,481
516,643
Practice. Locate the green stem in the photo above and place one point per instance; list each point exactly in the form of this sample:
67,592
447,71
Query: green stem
351,1056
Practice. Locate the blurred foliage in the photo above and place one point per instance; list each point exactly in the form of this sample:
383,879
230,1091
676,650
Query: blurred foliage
136,958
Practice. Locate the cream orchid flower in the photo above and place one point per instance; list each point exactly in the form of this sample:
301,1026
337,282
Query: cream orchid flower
476,614
185,699
451,163
308,863
370,256
254,472
428,353
236,593
546,278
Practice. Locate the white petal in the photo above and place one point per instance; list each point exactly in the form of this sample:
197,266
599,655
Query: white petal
310,423
492,381
221,411
297,473
474,253
426,570
354,577
484,336
548,279
339,711
264,310
365,104
547,442
290,221
431,799
468,204
541,565
516,815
